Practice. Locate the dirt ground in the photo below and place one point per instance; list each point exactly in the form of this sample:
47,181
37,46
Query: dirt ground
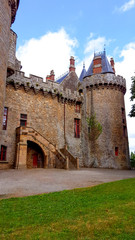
18,183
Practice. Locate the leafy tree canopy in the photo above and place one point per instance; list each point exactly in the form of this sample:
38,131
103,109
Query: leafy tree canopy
132,91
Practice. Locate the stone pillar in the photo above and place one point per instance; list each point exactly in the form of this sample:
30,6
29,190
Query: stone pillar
5,22
67,163
77,163
46,162
21,161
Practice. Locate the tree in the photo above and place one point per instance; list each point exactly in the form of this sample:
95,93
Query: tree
132,159
132,91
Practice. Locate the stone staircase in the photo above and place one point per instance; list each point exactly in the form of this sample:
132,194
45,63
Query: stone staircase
59,158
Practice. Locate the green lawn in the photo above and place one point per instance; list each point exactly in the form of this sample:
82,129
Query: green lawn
103,212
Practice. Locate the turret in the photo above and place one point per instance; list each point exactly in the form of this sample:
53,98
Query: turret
104,102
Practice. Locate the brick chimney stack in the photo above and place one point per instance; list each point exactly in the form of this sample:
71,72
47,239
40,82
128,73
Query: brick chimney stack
72,65
51,77
112,64
97,65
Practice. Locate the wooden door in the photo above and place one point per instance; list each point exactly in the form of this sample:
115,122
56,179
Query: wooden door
35,158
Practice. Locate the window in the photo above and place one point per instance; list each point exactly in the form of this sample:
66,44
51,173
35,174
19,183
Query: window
3,153
77,128
123,115
124,131
23,120
77,108
5,118
123,111
116,151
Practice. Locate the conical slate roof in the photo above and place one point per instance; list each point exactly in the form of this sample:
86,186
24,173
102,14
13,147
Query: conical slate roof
83,73
106,67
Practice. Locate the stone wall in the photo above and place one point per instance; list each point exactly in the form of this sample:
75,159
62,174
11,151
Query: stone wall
5,22
45,114
12,51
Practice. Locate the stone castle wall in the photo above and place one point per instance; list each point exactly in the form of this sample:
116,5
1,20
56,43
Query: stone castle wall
45,114
5,22
12,50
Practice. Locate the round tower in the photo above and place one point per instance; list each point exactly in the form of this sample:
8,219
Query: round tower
8,10
104,100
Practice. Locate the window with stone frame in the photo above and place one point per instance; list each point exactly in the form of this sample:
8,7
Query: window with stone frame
77,108
5,116
77,128
3,153
23,120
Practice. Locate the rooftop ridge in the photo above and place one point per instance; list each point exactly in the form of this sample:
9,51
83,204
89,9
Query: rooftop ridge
62,75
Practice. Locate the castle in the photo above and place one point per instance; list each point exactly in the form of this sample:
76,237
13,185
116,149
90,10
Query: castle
69,123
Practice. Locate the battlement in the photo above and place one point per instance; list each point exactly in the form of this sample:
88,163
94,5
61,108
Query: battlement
14,6
36,83
108,80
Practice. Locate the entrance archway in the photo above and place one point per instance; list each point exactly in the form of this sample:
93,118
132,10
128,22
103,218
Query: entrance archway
35,156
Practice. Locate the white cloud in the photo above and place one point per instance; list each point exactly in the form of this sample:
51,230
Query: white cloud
94,45
127,6
51,51
126,68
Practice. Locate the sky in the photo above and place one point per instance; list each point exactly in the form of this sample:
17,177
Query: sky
49,32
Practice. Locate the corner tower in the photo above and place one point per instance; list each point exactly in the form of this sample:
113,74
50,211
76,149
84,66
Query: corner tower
104,100
8,10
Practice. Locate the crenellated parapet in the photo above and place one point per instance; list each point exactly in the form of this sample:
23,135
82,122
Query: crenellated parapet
18,80
14,6
105,80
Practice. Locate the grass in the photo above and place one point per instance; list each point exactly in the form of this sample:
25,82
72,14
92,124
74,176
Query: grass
104,212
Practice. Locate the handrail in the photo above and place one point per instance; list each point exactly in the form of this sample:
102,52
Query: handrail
39,134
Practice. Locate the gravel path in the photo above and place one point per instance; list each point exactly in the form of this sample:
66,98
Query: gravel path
18,183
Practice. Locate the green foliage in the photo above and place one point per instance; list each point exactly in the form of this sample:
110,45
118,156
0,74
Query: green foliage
132,91
132,159
99,213
94,127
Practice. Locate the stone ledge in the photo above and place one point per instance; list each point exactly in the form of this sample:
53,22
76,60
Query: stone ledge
4,162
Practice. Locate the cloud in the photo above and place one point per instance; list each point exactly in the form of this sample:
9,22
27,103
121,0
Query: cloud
127,6
126,68
51,51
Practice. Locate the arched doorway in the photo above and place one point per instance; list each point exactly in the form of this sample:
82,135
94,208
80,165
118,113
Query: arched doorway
35,156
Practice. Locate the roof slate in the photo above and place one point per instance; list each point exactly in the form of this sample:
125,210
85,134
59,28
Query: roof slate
83,73
60,80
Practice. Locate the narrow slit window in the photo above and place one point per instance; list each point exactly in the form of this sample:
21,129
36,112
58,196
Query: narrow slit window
3,153
124,131
5,116
116,151
77,128
23,120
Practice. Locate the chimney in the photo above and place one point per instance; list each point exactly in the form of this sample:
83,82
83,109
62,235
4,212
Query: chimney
112,64
50,77
72,65
97,64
